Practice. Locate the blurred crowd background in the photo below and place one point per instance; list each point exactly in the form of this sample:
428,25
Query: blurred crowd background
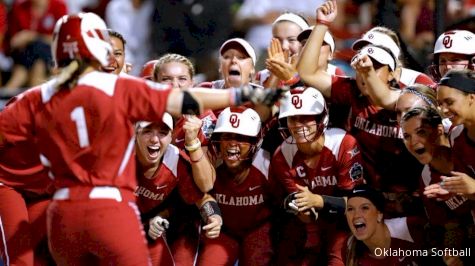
197,28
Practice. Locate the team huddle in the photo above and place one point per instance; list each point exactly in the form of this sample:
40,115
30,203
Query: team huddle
296,164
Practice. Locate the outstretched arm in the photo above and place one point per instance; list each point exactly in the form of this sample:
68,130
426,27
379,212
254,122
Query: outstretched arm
307,65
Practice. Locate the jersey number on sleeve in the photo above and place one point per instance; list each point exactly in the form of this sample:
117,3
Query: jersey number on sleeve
77,115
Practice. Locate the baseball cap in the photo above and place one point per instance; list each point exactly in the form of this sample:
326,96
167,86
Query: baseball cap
367,192
241,42
455,41
166,119
328,38
379,54
238,120
292,18
379,39
302,101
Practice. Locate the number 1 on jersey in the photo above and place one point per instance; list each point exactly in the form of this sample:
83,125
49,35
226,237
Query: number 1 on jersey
78,116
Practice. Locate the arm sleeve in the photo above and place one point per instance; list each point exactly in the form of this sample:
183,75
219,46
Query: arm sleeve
351,164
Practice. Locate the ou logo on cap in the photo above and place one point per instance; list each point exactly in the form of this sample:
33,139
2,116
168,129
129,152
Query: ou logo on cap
297,102
447,42
234,120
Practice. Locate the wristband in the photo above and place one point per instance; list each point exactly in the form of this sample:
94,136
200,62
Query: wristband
292,80
208,209
199,159
323,22
193,147
333,205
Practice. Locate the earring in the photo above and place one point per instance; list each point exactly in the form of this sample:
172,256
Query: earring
379,220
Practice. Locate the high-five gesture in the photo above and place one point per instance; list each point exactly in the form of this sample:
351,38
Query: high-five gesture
327,12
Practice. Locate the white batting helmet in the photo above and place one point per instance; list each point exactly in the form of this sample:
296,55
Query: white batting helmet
239,120
303,101
455,41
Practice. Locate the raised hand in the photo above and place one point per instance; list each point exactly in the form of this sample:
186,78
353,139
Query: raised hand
191,127
362,63
327,12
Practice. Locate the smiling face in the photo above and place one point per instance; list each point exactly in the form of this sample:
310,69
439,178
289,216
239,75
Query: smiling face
362,217
234,149
303,128
176,74
448,61
152,142
236,66
454,104
118,51
420,139
287,33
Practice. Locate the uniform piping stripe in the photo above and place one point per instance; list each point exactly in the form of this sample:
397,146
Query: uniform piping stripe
127,154
7,262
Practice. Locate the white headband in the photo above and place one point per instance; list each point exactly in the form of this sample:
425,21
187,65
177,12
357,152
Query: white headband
292,18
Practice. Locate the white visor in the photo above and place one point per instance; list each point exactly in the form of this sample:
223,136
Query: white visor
377,38
379,54
244,44
166,119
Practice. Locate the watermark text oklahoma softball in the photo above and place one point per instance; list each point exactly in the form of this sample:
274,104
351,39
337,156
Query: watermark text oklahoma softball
389,252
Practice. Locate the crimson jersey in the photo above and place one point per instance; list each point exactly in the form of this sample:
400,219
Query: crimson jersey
405,249
174,171
387,163
440,212
86,134
410,77
339,167
462,150
245,206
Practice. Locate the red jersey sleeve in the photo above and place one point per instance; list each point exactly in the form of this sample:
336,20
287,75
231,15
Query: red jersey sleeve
351,164
142,100
16,120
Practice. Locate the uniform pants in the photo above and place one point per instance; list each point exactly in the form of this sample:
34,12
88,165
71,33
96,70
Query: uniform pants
96,231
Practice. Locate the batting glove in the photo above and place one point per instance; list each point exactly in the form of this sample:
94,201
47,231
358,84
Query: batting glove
157,226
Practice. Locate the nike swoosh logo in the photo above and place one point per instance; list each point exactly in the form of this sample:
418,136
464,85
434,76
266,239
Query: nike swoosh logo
253,188
160,187
325,168
401,259
179,140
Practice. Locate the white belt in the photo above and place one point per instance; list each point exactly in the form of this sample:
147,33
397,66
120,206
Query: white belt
96,193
